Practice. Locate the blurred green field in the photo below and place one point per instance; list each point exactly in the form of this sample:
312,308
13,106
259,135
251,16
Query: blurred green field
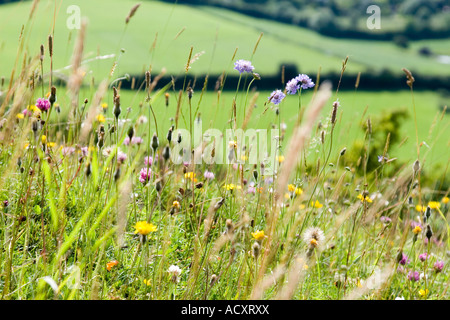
215,32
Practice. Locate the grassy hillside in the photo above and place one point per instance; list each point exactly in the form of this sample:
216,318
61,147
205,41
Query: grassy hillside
215,32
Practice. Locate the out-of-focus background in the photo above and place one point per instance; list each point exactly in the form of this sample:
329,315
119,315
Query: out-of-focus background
299,36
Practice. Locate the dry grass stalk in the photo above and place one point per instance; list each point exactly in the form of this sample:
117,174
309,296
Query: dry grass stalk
94,109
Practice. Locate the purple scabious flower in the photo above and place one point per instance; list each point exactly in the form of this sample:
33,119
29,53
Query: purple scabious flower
276,97
305,81
404,260
438,266
43,104
423,257
292,86
145,175
208,175
414,276
126,141
136,140
243,66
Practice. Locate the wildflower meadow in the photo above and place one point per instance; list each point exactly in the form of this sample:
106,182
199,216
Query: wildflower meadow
155,184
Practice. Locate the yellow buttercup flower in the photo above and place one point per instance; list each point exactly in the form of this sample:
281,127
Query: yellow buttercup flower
445,200
316,204
367,199
258,235
144,228
434,205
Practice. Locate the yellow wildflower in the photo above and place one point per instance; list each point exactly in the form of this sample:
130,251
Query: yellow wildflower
434,205
191,176
417,230
232,144
111,264
44,138
258,235
445,200
144,228
421,208
244,158
291,188
316,204
302,206
231,187
51,144
305,267
20,116
100,118
146,282
423,293
367,199
104,105
298,191
280,159
176,204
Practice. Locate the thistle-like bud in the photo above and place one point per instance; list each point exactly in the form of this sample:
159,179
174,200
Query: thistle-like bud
428,213
166,153
88,169
117,109
130,132
256,249
169,135
179,138
429,233
190,92
343,151
229,225
155,142
256,76
52,97
158,186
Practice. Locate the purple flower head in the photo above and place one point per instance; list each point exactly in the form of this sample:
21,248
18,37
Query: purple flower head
145,175
401,270
423,257
438,266
84,151
385,219
67,151
243,66
276,97
43,104
121,157
136,140
305,81
126,141
404,260
208,175
148,161
27,112
292,86
414,276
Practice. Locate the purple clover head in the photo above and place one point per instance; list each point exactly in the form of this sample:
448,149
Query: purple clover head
276,97
126,141
148,161
414,276
121,157
137,140
145,175
243,66
404,260
43,104
438,266
208,175
304,81
423,256
292,86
